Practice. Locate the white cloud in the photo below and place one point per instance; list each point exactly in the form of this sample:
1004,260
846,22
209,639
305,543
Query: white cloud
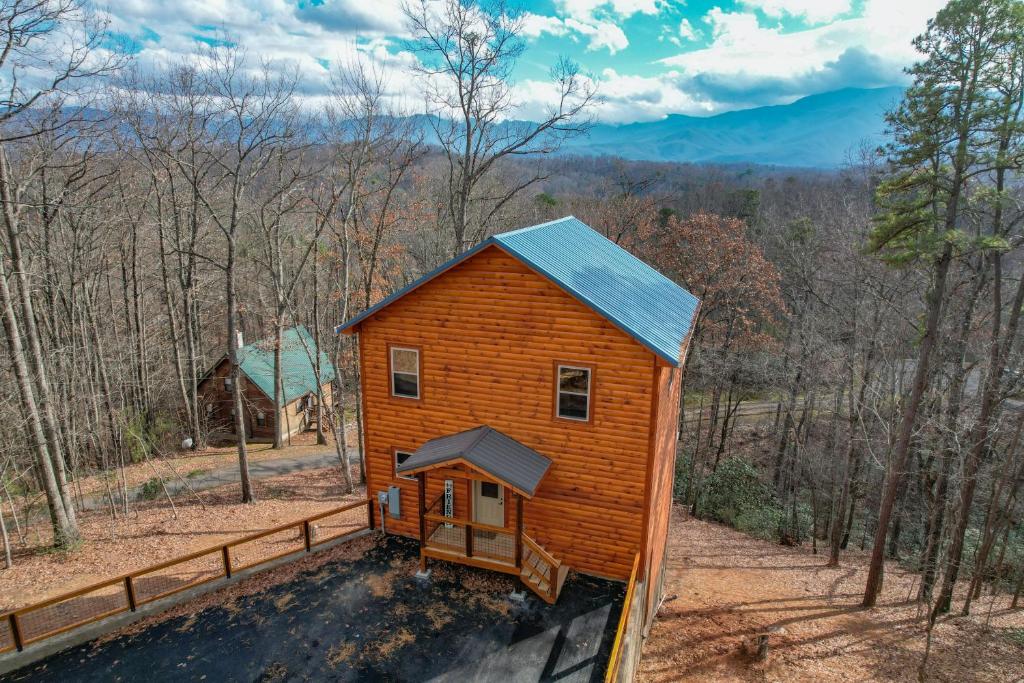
587,10
596,20
747,64
602,34
686,30
814,11
534,25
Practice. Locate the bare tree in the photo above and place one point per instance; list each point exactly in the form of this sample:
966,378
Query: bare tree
467,53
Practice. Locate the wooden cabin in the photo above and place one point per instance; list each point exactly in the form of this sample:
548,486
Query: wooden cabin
263,418
521,407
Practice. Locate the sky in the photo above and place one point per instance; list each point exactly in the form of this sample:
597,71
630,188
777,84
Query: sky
648,58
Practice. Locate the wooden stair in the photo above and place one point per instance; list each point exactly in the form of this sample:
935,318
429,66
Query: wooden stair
541,571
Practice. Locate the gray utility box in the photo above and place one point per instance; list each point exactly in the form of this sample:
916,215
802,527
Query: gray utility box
395,502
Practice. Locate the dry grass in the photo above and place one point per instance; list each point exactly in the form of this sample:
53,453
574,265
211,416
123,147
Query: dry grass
389,646
340,654
153,532
728,586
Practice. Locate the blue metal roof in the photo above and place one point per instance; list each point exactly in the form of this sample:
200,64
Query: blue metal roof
639,300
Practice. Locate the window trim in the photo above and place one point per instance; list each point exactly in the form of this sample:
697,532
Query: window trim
557,391
395,450
419,372
261,418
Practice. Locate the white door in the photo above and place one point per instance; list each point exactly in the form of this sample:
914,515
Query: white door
488,503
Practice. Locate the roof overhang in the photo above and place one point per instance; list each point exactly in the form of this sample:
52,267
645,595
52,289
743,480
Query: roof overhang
486,451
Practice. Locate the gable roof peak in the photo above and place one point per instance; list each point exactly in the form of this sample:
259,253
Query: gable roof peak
627,292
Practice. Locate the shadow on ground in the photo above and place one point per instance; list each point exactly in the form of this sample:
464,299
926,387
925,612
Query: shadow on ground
367,619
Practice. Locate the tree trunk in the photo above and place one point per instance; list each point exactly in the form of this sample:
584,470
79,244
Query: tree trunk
236,375
898,461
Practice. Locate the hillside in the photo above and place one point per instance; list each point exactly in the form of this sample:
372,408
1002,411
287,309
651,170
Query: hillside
816,131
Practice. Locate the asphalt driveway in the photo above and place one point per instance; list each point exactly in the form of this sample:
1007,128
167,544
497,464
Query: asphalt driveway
367,619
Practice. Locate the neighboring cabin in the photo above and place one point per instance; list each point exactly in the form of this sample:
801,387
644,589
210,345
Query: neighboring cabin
521,407
297,411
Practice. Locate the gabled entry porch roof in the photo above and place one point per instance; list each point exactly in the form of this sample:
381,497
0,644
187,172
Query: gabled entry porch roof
487,450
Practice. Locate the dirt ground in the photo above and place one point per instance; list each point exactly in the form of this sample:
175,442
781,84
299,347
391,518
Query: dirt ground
723,586
154,532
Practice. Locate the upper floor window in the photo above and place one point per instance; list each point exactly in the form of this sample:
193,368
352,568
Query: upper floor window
405,372
261,419
227,384
574,392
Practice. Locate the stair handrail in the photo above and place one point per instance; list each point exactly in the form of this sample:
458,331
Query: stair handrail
544,554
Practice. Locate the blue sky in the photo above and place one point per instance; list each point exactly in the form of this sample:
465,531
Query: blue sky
648,58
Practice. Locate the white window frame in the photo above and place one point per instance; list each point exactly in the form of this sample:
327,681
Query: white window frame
394,456
559,391
391,367
227,384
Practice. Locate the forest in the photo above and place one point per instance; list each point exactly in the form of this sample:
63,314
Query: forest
855,375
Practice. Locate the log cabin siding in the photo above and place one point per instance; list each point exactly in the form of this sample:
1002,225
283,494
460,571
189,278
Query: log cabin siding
662,480
211,391
491,332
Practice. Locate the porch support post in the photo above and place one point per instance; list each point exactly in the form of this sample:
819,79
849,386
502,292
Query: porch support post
421,485
519,530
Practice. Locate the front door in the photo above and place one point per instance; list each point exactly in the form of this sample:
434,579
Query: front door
488,503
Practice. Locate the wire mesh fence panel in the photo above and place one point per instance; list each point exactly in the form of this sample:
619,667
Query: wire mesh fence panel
6,637
79,609
265,548
451,538
494,544
178,576
337,525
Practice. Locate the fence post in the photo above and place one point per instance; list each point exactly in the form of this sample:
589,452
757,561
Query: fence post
469,540
16,632
130,590
305,534
369,513
227,561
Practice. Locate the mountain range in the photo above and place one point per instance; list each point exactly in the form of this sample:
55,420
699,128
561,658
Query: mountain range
819,131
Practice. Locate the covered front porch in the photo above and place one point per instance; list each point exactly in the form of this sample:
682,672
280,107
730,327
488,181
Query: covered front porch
477,519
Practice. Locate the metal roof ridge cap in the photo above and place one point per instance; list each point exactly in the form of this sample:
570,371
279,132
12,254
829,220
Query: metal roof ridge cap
528,228
484,431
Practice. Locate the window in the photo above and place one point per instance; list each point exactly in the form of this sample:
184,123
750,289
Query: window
261,419
573,393
209,409
227,384
401,457
488,489
405,372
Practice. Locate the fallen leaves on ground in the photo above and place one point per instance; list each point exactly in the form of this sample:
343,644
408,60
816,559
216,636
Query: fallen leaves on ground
723,587
154,532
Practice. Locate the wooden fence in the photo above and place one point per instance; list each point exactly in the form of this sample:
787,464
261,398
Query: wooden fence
626,648
127,592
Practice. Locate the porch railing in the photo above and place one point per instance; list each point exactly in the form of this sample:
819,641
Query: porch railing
466,538
127,592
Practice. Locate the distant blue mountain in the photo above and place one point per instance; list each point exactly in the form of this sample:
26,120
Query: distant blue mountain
821,131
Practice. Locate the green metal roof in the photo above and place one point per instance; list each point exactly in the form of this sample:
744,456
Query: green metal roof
635,297
297,370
